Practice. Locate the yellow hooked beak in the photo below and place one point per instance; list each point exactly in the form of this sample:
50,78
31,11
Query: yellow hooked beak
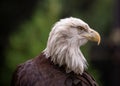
92,35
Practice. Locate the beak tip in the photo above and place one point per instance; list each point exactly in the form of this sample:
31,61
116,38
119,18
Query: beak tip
97,37
99,40
98,43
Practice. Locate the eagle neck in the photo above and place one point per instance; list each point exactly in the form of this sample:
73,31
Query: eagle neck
70,56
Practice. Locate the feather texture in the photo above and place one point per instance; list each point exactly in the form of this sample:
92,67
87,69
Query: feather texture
64,42
40,71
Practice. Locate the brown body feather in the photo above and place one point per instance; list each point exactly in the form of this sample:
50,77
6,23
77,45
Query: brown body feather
41,71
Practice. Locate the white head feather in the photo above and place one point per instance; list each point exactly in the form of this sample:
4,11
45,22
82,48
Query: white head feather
64,42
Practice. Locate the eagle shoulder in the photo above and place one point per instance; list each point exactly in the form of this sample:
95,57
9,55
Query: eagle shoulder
41,71
25,75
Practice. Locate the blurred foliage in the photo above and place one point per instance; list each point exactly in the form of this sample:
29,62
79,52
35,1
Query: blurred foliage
31,37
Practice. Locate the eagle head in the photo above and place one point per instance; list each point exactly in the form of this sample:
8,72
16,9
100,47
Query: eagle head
65,39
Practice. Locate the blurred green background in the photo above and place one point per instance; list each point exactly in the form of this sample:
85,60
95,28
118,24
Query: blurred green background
25,26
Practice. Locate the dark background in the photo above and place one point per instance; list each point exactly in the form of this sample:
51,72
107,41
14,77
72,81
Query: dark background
25,25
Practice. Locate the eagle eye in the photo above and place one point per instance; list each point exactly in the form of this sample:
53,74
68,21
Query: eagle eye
81,28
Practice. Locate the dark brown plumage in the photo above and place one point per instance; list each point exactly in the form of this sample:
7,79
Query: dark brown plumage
40,71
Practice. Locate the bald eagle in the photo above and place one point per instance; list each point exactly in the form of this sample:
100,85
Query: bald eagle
61,63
